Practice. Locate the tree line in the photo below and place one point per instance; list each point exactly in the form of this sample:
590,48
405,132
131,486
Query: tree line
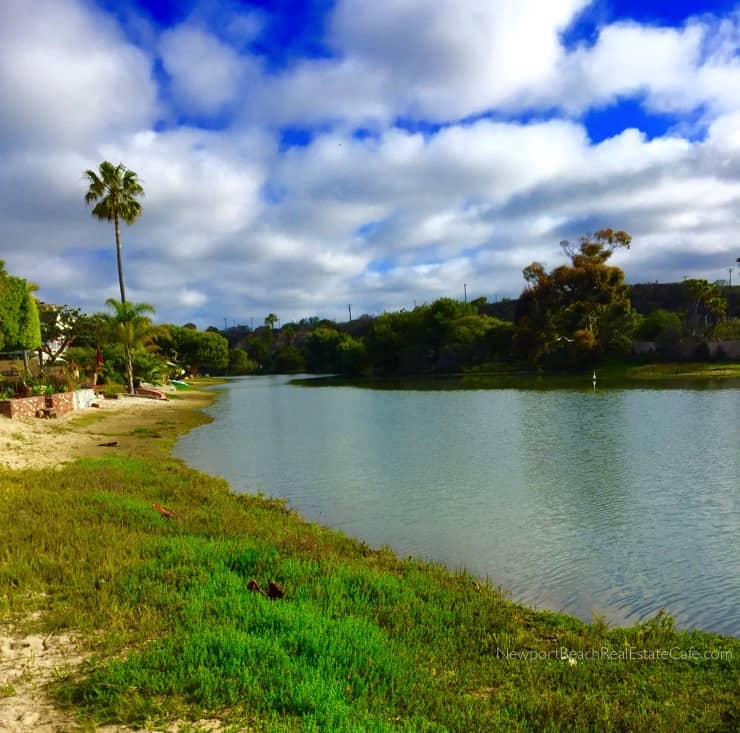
574,316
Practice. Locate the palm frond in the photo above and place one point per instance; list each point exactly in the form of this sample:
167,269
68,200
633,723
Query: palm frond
115,189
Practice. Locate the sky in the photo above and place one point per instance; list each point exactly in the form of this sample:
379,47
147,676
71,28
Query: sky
301,156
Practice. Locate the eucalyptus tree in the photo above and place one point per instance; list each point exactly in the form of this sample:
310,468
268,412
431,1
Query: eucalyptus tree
579,312
114,190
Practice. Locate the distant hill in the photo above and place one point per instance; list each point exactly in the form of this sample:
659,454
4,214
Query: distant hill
649,297
645,297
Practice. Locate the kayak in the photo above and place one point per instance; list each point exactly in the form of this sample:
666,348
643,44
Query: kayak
180,385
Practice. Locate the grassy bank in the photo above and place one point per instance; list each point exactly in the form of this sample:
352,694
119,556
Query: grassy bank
625,371
362,641
688,370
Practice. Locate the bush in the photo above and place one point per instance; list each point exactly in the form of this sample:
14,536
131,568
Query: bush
659,322
728,330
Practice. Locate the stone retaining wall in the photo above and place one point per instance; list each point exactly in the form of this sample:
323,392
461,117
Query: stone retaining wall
20,407
60,402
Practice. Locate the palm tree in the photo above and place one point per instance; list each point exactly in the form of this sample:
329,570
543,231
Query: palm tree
115,188
130,327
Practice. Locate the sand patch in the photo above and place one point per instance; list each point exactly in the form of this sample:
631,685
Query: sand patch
45,443
29,663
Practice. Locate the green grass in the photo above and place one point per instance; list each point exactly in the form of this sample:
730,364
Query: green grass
86,420
363,641
688,370
146,432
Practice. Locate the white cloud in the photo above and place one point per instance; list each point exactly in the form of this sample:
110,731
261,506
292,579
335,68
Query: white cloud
454,58
627,60
202,188
68,76
234,227
317,91
206,73
191,298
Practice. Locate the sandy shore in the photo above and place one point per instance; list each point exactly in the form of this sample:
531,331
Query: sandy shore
45,443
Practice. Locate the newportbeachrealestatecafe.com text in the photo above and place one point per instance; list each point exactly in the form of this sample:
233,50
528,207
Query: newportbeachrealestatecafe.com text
617,655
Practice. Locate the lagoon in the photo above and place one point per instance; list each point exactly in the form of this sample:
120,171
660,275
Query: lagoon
610,501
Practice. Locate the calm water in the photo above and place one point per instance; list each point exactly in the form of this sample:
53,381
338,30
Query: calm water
616,501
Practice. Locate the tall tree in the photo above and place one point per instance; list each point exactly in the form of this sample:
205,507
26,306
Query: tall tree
19,316
132,328
708,306
578,312
115,189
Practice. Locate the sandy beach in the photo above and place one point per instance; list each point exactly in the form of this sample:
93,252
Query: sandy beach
48,443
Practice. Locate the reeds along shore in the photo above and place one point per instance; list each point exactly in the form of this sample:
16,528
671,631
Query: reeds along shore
360,640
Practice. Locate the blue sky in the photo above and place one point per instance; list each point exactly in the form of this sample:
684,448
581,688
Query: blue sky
299,156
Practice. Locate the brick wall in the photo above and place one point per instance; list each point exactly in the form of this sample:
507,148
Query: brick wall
61,402
22,406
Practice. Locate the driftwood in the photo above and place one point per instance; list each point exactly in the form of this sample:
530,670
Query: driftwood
112,444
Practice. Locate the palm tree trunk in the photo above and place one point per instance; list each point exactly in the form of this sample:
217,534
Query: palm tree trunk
117,224
129,371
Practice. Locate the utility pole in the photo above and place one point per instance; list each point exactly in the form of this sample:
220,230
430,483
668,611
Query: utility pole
226,325
349,308
465,290
729,271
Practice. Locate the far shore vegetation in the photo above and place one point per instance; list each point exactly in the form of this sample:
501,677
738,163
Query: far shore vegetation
575,319
361,640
